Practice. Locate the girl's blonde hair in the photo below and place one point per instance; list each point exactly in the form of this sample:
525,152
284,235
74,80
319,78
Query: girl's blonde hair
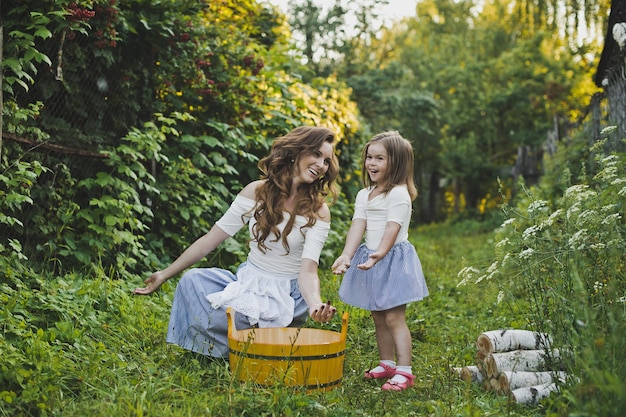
278,170
399,165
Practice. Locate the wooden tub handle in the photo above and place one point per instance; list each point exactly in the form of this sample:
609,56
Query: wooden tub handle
230,316
344,325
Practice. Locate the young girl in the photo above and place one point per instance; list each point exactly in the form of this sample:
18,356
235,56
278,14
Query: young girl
384,274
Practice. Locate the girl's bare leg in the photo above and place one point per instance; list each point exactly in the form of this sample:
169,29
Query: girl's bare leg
395,321
398,330
384,337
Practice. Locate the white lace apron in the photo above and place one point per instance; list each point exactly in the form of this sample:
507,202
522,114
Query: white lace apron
263,296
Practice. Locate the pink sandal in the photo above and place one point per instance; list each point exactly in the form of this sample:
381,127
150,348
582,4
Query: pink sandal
387,373
392,385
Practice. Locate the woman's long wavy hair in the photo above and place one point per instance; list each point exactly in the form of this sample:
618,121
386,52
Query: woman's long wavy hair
278,170
399,166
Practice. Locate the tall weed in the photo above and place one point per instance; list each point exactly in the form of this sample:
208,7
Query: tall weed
562,261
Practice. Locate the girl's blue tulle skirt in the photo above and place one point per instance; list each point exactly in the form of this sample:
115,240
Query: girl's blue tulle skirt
395,280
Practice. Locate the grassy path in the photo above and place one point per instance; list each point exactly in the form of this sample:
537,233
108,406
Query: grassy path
85,346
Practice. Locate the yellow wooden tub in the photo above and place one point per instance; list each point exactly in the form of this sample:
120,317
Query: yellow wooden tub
311,358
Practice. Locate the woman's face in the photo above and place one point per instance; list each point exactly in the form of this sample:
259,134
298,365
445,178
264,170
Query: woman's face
376,160
311,166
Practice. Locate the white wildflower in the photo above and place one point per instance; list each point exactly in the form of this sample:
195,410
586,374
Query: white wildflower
608,130
610,160
526,253
588,195
598,145
530,232
491,272
598,246
508,222
622,299
585,217
482,277
502,242
500,296
612,218
608,173
573,211
609,208
505,260
575,190
580,192
546,224
467,274
552,218
622,192
614,243
578,240
537,206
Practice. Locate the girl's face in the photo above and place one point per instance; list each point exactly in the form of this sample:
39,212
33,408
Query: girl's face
376,160
311,166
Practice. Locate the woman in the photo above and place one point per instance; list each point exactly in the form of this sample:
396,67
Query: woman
288,222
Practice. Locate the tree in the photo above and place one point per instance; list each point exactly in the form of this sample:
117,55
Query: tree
332,36
574,19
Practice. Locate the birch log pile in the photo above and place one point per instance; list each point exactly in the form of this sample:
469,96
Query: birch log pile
517,363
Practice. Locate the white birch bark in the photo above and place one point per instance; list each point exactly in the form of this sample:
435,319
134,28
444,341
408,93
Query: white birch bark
532,395
517,360
471,373
508,340
512,380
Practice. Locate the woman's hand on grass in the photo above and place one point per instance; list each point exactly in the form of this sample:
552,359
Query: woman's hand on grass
153,283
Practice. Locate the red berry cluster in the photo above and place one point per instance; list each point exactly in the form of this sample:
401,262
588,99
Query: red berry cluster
211,91
255,65
79,14
107,36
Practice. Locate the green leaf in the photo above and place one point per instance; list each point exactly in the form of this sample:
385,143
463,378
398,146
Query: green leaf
110,220
43,33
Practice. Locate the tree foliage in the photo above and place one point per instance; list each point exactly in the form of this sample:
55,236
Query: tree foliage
181,97
495,87
468,85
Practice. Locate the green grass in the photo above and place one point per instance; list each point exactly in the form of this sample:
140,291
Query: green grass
85,346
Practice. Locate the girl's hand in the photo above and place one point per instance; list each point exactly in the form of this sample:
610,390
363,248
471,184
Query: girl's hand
322,312
341,265
373,260
153,283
